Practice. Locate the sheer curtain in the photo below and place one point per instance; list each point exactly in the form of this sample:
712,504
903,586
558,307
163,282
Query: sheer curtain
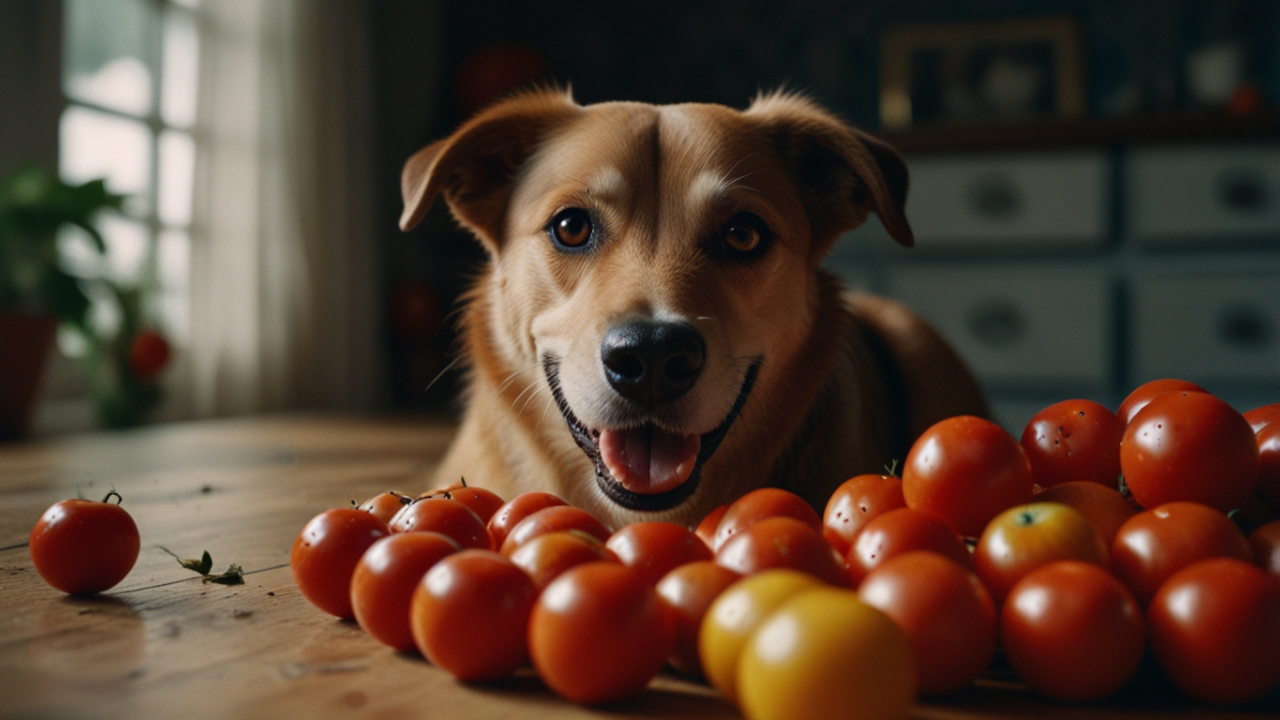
283,269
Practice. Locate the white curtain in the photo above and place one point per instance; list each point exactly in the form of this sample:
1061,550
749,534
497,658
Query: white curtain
283,256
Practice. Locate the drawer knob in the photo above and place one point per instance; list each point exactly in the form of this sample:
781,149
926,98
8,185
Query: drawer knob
1244,327
1243,190
995,197
997,322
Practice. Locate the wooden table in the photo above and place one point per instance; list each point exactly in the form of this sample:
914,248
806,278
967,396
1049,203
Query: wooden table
163,644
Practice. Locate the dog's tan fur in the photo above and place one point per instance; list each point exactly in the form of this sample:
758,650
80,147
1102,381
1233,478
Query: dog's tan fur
845,381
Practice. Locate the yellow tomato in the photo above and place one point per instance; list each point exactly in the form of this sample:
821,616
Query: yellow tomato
735,614
826,654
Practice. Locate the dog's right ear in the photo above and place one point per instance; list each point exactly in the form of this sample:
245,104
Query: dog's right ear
474,168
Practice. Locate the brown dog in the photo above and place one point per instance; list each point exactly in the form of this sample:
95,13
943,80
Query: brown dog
653,336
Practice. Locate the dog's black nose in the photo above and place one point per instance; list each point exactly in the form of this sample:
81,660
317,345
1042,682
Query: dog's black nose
653,362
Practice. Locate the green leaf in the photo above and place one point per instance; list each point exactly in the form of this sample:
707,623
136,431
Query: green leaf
233,576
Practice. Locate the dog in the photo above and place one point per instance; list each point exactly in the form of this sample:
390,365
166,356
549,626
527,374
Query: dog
653,335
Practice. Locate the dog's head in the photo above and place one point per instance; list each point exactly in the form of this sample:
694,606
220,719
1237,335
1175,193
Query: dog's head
654,276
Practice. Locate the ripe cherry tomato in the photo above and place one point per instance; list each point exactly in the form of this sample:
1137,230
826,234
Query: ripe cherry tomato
945,611
545,557
1215,631
735,615
1269,464
901,531
470,615
761,504
326,553
1074,440
1261,417
1142,395
553,519
384,506
1026,537
384,580
83,547
856,502
967,470
1072,632
654,549
707,528
1155,544
445,516
482,502
826,654
1265,542
1105,507
517,509
688,591
1189,446
148,354
782,542
600,633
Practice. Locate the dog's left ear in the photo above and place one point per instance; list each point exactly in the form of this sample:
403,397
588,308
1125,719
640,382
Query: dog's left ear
843,172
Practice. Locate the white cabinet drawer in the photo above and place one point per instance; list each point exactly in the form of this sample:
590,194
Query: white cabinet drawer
1204,194
1018,324
1207,327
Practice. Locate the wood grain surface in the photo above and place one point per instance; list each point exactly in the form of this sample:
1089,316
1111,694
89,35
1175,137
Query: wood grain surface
163,644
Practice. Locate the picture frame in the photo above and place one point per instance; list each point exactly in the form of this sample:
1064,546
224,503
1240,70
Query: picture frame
981,72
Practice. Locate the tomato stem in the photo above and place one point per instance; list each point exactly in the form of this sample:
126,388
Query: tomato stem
119,498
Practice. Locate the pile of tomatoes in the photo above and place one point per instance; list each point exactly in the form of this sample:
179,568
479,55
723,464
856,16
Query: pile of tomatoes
1096,543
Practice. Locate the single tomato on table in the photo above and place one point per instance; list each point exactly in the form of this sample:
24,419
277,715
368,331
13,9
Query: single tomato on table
445,516
901,531
1074,440
1023,538
1156,543
83,547
386,505
858,501
326,553
384,580
689,591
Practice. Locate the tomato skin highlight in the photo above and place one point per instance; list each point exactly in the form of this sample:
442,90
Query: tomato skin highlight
858,501
901,531
1144,393
556,518
782,542
1074,440
445,516
547,556
1155,544
707,526
1026,537
384,580
325,555
654,549
84,547
517,509
1265,542
1269,464
762,504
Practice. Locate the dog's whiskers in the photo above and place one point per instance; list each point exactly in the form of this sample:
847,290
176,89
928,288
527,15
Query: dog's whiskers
441,374
512,377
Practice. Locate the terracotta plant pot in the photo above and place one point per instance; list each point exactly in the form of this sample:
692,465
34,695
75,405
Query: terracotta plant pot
25,341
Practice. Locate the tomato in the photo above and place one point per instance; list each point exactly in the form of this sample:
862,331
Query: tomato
553,519
470,615
1189,446
1105,507
1074,440
1023,538
901,531
445,516
545,557
655,548
761,504
600,633
945,611
384,580
967,470
855,503
148,354
736,614
1261,417
517,509
1143,394
782,542
1071,631
1265,542
83,547
1155,544
707,528
826,654
326,553
688,591
1269,464
482,502
1215,631
384,506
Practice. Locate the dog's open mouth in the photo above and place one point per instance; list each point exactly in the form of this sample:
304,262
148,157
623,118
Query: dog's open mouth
646,467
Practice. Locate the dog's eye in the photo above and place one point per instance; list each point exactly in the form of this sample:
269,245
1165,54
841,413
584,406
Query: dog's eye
744,233
571,228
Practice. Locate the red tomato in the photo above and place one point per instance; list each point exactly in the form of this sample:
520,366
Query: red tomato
761,504
1269,464
1072,632
707,528
1105,507
1189,446
1159,542
1026,537
600,633
326,553
1074,440
470,615
83,547
855,503
945,612
545,557
517,509
1265,542
654,549
967,470
384,580
1215,631
1261,417
384,506
482,502
782,542
1142,395
445,516
901,531
553,519
148,354
688,591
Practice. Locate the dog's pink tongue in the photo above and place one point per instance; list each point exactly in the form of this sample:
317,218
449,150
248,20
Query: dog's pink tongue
648,460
